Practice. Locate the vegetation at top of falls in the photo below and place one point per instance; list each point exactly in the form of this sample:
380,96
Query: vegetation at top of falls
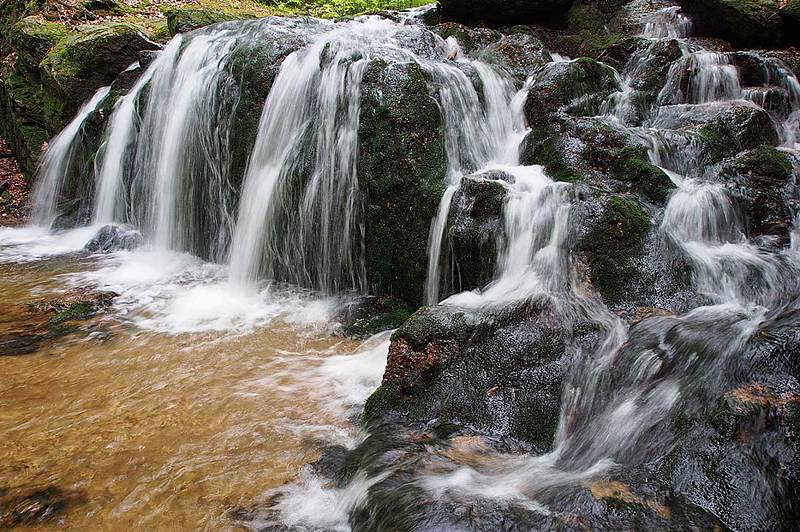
747,23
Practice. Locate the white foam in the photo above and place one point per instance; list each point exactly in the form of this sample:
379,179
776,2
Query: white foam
26,244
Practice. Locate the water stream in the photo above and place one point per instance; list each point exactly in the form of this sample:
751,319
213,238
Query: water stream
217,371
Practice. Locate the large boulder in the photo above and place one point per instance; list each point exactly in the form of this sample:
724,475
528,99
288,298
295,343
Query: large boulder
401,174
746,23
498,372
499,12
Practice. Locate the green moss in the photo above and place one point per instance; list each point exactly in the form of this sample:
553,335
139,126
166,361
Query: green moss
612,245
764,163
631,164
76,311
182,19
34,137
739,128
381,315
33,37
542,148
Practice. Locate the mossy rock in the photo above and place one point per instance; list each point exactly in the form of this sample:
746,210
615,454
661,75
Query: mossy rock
542,146
761,179
87,59
33,37
581,86
470,39
497,372
736,128
520,53
632,165
186,19
373,315
612,246
474,229
401,174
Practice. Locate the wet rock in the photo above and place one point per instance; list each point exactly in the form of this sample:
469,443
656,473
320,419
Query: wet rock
475,228
632,165
498,372
401,174
470,39
520,53
115,238
370,315
760,179
499,12
613,246
579,86
78,304
734,128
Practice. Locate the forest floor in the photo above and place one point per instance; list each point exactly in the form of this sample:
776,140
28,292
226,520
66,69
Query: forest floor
13,189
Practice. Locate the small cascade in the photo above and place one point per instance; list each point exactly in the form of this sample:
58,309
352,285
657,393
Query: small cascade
712,78
478,136
56,162
532,261
110,192
313,107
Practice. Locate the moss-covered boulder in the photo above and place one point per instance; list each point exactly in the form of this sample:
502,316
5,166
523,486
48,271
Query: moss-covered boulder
401,174
186,19
632,165
733,128
32,37
578,86
468,38
87,59
520,53
745,23
760,180
613,247
500,373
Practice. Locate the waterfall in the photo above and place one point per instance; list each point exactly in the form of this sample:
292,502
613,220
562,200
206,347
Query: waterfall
56,161
300,214
110,197
477,136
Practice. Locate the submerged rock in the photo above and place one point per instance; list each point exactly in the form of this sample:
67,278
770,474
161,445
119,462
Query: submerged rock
35,507
115,238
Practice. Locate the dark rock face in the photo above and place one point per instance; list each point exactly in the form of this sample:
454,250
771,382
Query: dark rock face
760,180
475,228
745,23
500,373
401,174
115,238
499,12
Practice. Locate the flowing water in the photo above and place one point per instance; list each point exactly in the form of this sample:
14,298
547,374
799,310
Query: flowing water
182,404
209,385
56,163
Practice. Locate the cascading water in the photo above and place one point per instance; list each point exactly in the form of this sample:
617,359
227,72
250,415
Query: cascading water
56,160
477,136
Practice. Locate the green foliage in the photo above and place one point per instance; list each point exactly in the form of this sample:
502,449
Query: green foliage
342,8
